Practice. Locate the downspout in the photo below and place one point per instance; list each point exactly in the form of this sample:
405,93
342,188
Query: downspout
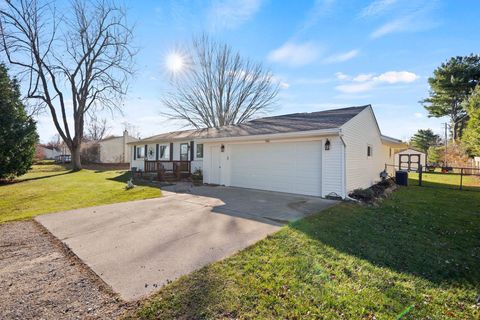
344,175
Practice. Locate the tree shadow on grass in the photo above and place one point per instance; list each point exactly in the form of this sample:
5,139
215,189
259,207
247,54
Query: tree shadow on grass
428,232
21,180
192,297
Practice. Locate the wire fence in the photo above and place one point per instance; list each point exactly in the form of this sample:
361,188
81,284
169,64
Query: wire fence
460,178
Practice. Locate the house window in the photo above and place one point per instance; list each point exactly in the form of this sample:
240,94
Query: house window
369,151
199,151
140,152
164,152
184,152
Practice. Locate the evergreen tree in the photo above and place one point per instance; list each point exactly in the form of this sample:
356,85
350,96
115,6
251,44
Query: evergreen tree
424,139
450,86
471,138
18,133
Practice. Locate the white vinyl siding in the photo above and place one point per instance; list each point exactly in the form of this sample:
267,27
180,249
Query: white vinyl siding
333,168
360,132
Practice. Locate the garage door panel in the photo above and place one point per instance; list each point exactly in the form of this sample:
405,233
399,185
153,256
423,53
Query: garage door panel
285,167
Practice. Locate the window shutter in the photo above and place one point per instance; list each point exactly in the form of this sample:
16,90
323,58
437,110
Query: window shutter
171,151
145,155
156,157
134,152
191,150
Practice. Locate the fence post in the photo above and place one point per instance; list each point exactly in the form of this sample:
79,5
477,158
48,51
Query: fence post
420,175
461,179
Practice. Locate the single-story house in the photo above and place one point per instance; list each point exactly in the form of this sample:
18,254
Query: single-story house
46,152
320,153
409,159
115,149
112,149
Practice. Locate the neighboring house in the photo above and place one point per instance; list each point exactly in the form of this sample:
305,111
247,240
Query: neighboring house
320,153
476,162
47,152
115,149
409,159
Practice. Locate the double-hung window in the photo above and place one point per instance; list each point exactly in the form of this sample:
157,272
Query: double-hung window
199,154
140,152
164,152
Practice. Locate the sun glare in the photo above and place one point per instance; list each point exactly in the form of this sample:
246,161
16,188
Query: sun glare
175,62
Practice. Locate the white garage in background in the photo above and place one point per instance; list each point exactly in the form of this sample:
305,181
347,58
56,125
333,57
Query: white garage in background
326,153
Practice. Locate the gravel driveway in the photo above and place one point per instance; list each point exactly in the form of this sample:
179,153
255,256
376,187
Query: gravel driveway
40,279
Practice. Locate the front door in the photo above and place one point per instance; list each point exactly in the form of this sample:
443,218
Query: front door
184,152
215,165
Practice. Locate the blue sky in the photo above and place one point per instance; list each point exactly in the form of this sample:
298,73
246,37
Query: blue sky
326,53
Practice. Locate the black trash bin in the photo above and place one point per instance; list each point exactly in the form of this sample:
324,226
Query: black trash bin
401,178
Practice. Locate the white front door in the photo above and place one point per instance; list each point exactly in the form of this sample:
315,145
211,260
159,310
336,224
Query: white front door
215,165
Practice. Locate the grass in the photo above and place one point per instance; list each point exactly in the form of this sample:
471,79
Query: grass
51,188
449,180
417,256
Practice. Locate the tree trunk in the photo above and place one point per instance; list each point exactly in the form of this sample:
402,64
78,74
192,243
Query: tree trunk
76,162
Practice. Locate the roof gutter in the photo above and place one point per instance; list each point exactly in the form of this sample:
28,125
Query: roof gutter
296,134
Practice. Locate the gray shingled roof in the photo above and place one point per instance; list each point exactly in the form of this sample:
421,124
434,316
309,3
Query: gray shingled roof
295,122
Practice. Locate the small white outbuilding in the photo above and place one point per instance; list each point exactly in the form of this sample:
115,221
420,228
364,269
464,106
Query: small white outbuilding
410,159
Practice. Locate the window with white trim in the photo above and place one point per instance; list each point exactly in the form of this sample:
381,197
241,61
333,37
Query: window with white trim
199,151
164,152
140,152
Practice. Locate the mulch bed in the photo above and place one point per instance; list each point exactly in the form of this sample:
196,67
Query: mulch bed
41,279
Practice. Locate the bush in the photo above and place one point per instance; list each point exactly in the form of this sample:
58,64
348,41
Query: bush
365,195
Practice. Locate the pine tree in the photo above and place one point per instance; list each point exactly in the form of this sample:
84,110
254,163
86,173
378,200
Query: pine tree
18,132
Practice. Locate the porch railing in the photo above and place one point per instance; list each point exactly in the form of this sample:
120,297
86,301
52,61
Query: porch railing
163,167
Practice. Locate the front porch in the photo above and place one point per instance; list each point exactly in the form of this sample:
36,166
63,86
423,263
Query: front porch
166,169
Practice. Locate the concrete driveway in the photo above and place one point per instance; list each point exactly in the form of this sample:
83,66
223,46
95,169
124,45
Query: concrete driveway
136,247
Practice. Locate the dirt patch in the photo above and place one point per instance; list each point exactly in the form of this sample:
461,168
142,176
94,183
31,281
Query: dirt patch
40,278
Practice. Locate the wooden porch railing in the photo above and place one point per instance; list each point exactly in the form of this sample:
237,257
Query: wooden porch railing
165,167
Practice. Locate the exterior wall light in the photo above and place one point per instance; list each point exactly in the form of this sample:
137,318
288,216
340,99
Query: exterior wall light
222,148
327,145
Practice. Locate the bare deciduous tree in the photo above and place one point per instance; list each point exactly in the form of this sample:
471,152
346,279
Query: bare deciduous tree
219,87
132,130
75,59
96,129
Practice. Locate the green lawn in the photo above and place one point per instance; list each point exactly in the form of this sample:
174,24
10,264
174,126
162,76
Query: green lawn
418,254
449,180
52,188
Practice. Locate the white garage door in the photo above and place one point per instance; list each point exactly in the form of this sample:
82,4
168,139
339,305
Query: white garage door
293,167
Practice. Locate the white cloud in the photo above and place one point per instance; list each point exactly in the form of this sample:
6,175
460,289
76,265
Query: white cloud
232,13
341,57
397,25
413,16
363,77
341,76
284,85
418,115
377,7
295,54
320,8
368,81
397,76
